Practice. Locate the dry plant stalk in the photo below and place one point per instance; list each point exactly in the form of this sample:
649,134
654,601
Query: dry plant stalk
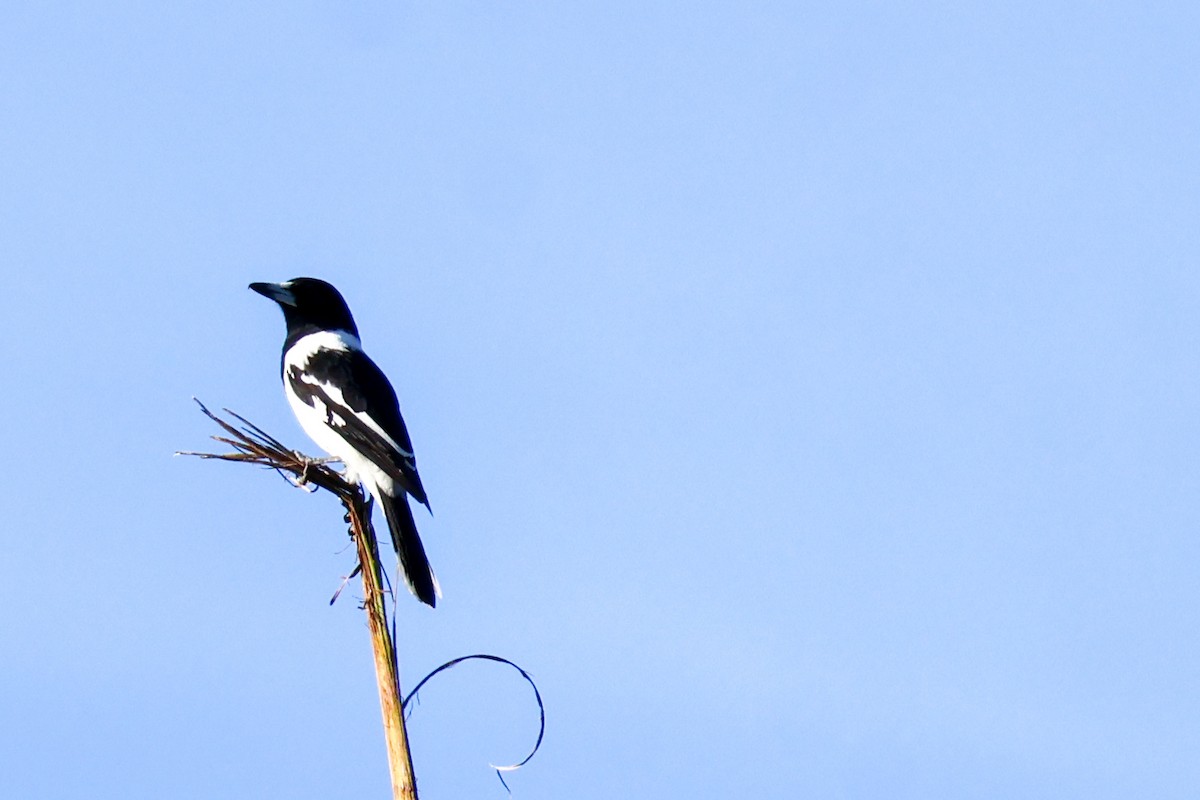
252,446
404,784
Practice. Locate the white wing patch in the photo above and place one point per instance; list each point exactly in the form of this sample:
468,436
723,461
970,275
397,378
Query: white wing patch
308,346
339,401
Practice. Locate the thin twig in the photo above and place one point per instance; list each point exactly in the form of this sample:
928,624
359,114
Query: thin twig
252,445
536,694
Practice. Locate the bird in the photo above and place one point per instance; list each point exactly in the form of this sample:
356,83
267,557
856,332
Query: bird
347,406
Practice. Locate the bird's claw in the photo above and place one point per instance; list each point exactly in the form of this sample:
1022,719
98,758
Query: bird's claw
302,481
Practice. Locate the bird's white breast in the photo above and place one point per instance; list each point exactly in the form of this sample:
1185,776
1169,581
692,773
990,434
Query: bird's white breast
316,419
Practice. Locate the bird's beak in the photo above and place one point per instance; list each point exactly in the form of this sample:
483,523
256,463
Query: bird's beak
278,292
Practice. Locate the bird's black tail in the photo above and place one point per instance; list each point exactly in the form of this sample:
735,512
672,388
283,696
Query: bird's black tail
414,564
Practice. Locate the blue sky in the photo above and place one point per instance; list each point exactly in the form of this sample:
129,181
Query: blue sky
807,395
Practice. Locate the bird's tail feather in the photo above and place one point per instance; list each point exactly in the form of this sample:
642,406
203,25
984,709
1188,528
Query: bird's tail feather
413,562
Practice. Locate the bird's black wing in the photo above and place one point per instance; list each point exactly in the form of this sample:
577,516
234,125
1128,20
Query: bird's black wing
356,393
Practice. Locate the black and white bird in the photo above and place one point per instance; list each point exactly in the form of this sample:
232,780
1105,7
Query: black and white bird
346,404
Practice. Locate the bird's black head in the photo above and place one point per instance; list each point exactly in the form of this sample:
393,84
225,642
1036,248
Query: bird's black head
309,305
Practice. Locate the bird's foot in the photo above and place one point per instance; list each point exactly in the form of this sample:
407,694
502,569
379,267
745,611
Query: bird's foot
302,481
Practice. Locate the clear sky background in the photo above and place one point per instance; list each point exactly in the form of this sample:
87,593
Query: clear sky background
807,395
